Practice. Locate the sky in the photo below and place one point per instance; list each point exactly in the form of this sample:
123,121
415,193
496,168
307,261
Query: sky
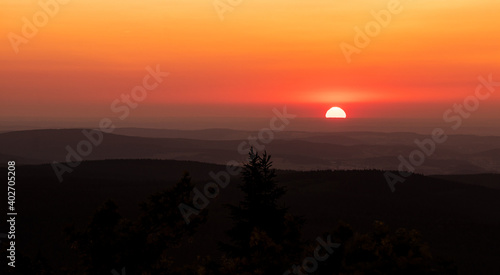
246,59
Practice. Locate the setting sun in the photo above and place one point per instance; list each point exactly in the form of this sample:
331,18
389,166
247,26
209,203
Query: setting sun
335,112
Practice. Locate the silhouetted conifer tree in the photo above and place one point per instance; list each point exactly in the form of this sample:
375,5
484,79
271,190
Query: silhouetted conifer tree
264,237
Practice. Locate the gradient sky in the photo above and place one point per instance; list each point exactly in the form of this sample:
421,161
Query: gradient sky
262,55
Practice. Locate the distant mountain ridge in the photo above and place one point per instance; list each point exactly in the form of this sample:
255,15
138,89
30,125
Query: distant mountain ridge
291,150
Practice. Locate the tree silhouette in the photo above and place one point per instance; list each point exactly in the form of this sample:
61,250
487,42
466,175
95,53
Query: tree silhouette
264,237
98,244
110,241
382,251
162,227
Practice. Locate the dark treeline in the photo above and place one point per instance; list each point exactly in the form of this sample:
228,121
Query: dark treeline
265,238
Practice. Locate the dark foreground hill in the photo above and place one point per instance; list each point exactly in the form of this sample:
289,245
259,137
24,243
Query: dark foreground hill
459,221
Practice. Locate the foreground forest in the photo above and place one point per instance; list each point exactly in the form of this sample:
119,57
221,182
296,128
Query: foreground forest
124,215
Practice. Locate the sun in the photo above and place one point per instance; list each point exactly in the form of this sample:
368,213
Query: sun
335,112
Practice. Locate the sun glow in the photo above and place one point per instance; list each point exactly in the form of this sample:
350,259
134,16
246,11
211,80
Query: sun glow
335,112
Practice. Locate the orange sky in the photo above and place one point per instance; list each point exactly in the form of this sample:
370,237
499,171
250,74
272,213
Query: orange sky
260,56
